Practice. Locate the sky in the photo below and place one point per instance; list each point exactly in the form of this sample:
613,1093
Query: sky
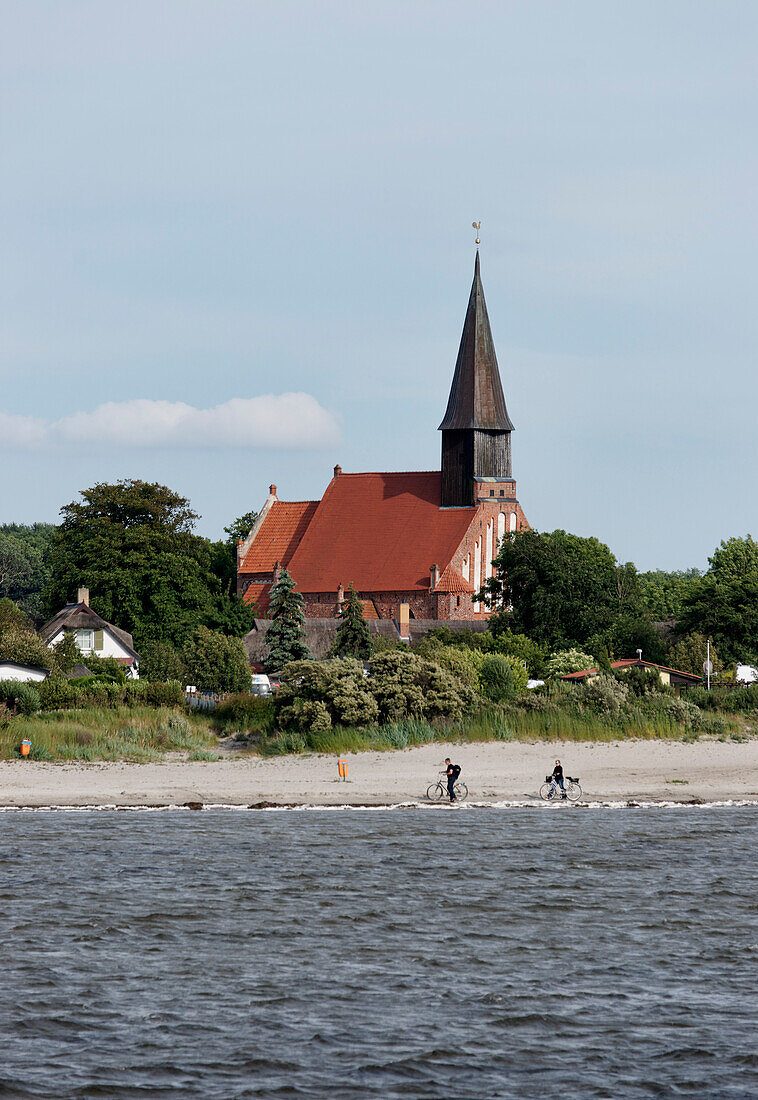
236,249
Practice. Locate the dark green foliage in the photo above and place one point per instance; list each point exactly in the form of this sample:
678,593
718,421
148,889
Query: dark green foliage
133,544
626,635
23,698
640,681
107,668
215,662
663,593
164,695
57,693
727,700
161,661
23,565
286,635
67,653
353,639
406,685
501,640
18,641
244,711
501,677
723,604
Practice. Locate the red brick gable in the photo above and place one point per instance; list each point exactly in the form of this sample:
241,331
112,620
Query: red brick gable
379,532
280,533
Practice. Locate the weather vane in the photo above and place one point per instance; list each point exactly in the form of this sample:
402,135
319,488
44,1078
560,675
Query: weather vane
477,226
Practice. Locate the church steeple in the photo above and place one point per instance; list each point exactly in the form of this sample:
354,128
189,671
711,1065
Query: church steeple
476,429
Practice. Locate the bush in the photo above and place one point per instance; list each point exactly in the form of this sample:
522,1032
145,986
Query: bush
641,681
164,695
727,700
314,695
502,677
569,660
160,661
244,711
24,698
406,685
605,695
23,645
57,693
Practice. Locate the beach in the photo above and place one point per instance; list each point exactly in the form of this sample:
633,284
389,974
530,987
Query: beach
495,772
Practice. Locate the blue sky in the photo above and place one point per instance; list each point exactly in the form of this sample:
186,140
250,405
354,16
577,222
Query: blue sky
207,207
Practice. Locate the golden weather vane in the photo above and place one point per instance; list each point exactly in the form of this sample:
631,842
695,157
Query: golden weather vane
477,226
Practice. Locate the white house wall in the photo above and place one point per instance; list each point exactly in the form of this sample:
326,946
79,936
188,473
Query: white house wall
111,646
21,674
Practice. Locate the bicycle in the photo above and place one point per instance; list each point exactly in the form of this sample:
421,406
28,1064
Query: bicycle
550,789
435,792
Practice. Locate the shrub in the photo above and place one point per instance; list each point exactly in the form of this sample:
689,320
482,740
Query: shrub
246,712
461,662
313,695
23,698
160,661
136,693
569,660
57,693
640,681
164,695
23,645
502,677
605,695
406,685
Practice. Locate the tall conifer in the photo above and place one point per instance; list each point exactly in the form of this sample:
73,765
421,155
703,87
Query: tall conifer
353,639
285,637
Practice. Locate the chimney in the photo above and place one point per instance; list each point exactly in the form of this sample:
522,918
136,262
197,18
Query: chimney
272,490
82,596
277,567
337,471
341,594
434,576
404,622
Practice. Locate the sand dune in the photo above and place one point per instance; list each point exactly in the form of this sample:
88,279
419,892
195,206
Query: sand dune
494,772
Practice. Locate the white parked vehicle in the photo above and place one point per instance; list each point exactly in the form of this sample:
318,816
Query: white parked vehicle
261,684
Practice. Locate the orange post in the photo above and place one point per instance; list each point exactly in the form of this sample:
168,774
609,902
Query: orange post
342,769
26,747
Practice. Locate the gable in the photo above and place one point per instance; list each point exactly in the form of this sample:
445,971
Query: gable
279,535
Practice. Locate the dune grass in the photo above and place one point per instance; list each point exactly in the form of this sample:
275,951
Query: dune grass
137,734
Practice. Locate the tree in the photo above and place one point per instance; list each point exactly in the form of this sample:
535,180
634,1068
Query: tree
19,641
285,637
690,652
23,568
318,694
160,662
133,544
216,662
502,677
561,589
353,638
663,593
235,616
723,603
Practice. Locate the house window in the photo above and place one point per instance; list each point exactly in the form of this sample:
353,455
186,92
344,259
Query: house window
85,640
502,492
492,492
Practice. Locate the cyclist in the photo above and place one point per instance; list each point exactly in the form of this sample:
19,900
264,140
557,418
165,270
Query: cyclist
558,777
452,771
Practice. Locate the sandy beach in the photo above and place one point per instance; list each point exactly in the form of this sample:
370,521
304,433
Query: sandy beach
644,771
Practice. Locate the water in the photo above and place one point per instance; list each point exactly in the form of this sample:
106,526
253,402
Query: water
471,954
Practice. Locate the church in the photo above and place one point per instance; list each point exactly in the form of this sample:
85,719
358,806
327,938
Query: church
415,545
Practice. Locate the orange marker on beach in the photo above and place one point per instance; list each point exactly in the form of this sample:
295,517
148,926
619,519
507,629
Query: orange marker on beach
342,769
26,746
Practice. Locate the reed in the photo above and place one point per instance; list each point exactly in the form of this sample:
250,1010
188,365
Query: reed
137,734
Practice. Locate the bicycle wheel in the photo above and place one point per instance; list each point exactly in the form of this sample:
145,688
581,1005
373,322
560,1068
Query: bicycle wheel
434,792
573,792
546,792
461,791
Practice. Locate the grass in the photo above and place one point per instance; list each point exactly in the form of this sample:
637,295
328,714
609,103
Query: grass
137,734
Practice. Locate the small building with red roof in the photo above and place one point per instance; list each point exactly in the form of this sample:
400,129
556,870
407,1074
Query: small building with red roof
425,539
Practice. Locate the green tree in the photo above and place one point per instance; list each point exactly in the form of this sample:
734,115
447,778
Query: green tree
663,593
234,616
285,637
569,660
161,662
23,567
561,589
67,653
319,694
215,662
133,544
723,603
353,638
689,654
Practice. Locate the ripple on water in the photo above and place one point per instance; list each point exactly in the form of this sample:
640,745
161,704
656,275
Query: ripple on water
483,954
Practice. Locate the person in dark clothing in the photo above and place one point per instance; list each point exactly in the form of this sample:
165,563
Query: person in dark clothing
452,771
558,777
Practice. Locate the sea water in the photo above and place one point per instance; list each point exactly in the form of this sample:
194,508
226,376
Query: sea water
464,953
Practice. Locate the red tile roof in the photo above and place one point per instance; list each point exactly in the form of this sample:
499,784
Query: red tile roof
280,533
629,662
369,609
257,596
452,581
380,532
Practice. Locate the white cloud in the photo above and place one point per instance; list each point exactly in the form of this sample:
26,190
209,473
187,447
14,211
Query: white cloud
271,420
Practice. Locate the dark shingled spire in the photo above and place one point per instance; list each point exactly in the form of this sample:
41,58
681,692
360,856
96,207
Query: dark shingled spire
476,395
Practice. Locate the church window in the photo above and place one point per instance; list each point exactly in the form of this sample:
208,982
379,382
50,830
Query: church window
492,492
502,492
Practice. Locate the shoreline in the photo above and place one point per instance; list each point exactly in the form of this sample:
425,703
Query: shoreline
504,774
